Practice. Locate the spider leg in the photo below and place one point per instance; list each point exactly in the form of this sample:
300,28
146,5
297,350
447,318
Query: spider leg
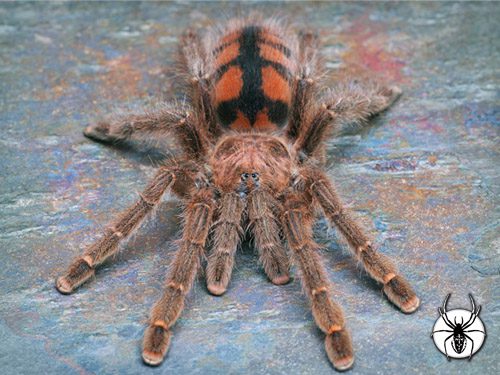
195,64
474,311
297,225
164,119
182,272
475,330
227,234
378,266
441,330
472,348
265,228
84,266
445,319
305,85
349,103
445,350
472,319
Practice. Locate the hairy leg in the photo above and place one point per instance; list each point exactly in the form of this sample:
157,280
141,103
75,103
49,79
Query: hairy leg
266,232
297,224
378,266
446,350
227,234
305,83
166,311
163,120
349,103
472,348
194,64
84,267
146,123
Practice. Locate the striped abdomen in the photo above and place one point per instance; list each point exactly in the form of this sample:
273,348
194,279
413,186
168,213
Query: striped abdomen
252,84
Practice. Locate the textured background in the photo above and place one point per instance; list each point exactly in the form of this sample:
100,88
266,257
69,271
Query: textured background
423,180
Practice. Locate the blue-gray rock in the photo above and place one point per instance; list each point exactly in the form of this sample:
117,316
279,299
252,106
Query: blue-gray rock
423,180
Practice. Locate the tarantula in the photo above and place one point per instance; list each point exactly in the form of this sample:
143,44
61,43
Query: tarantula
252,142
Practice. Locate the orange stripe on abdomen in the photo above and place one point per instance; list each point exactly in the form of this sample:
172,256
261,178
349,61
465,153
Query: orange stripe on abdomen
262,122
227,54
241,122
271,38
231,37
274,55
274,86
229,85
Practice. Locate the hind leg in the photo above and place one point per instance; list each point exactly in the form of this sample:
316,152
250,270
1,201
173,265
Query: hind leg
195,66
152,122
305,83
346,104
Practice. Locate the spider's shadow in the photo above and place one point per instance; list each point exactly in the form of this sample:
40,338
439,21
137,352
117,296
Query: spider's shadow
145,152
341,145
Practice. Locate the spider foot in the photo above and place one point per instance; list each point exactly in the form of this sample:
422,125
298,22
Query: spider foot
99,132
338,347
155,345
78,273
217,289
281,279
399,292
392,93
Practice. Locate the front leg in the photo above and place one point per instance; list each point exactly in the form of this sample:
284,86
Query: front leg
198,216
297,225
265,228
226,237
378,266
83,267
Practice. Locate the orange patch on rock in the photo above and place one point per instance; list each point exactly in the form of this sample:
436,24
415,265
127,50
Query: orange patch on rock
229,85
228,54
274,86
367,41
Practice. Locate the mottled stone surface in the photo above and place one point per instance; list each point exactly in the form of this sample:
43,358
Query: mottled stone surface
423,180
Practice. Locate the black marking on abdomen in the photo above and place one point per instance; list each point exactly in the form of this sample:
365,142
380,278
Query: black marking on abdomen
252,99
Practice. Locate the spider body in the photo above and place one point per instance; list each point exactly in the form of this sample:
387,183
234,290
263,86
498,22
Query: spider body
251,142
459,342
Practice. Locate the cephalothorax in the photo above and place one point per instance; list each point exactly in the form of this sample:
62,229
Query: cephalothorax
252,139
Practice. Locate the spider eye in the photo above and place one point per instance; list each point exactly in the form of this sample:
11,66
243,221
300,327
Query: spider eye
255,176
244,176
